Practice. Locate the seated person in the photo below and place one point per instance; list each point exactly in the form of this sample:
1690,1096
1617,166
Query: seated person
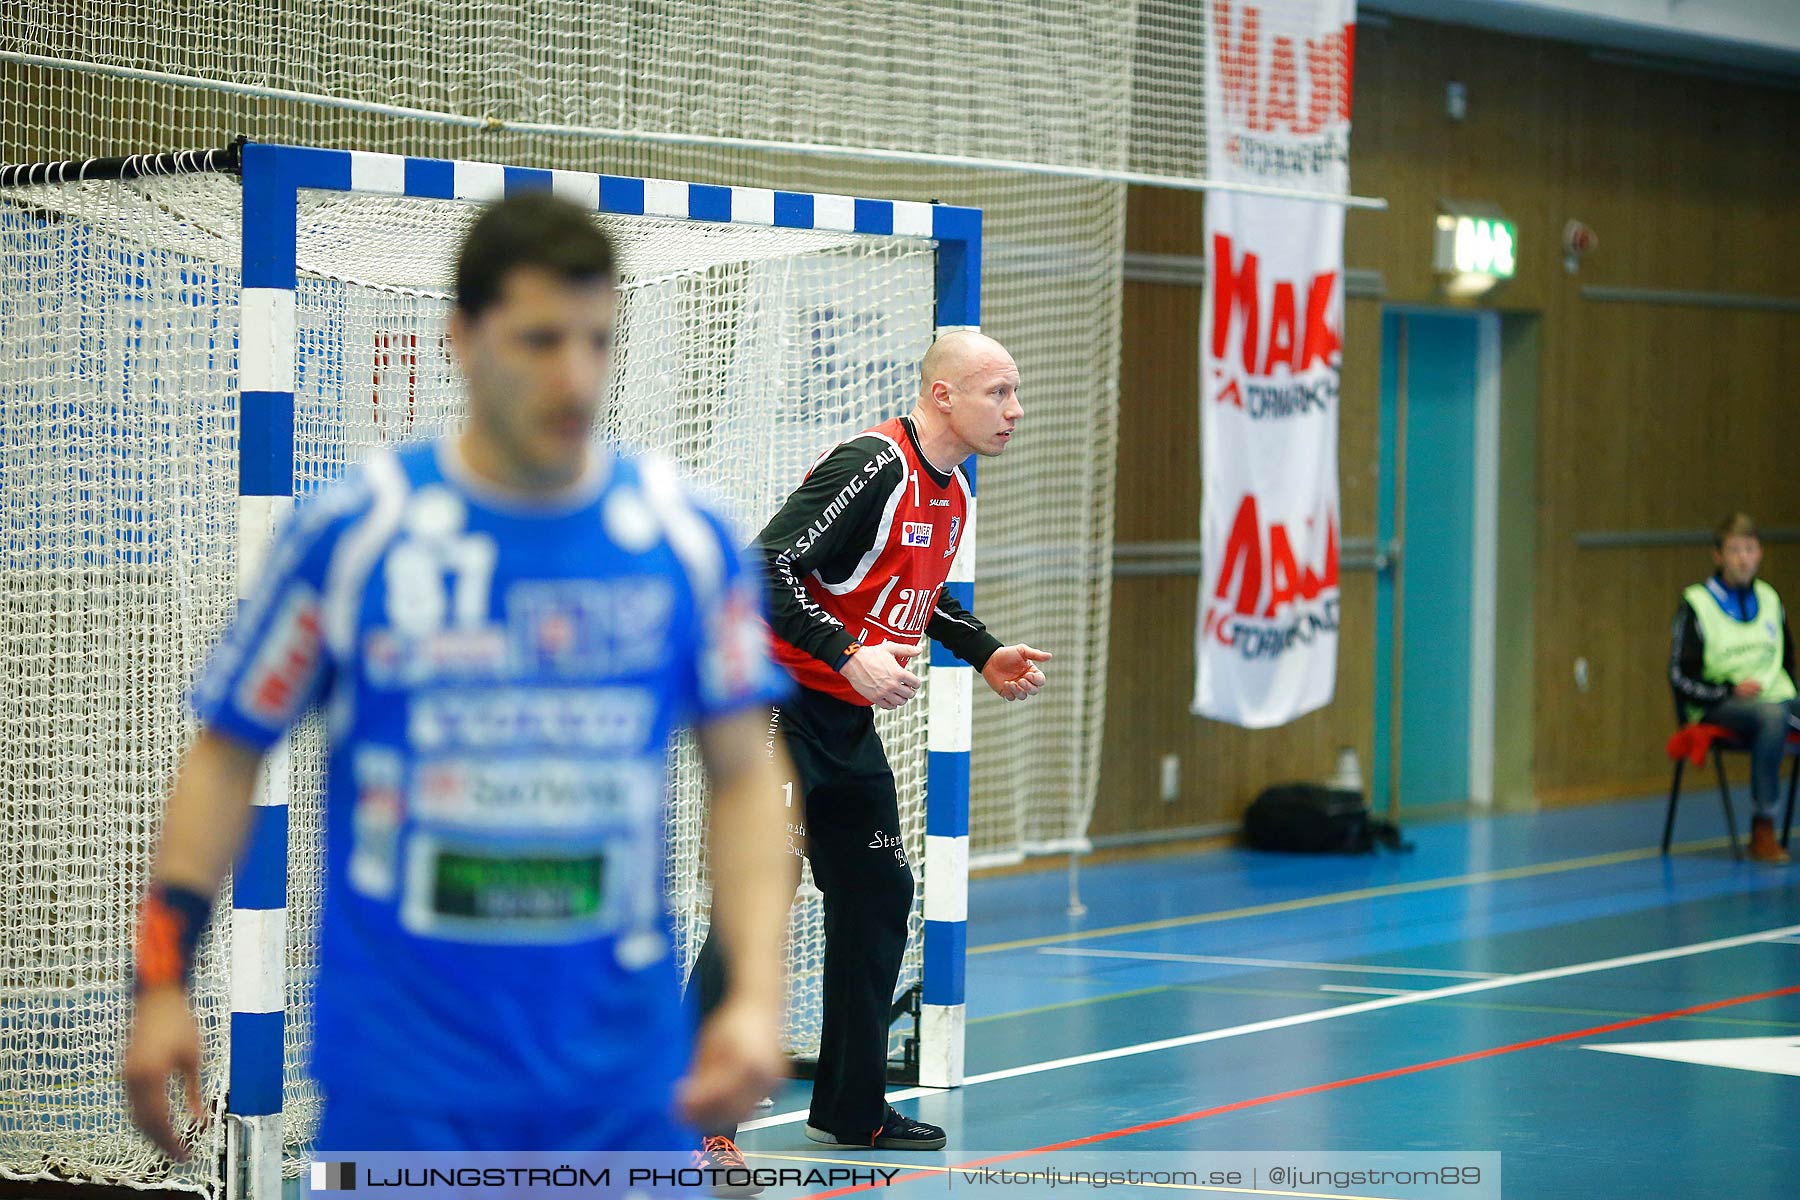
1732,664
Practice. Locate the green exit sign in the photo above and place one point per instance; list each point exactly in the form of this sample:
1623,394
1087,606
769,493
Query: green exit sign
1470,245
1475,248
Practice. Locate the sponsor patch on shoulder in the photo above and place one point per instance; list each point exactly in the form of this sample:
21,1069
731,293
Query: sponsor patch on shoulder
287,660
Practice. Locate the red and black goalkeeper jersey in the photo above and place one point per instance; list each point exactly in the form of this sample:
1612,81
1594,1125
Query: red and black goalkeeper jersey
860,553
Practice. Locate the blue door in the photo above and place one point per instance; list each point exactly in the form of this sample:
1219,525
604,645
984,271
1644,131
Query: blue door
1430,376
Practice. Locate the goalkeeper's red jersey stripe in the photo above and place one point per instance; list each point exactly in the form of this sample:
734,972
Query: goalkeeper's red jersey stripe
891,593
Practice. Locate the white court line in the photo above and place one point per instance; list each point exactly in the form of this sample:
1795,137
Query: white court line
1326,1014
1221,960
1366,991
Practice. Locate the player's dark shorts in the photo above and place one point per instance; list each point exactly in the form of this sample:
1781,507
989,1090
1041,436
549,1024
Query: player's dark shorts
843,813
852,825
831,741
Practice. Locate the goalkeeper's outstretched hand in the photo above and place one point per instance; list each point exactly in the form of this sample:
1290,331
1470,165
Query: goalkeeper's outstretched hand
1013,671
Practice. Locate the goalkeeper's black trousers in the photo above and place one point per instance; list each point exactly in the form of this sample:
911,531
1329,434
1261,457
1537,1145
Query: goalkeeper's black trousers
849,824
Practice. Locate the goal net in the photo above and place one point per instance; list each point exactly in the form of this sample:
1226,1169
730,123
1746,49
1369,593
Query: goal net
742,352
707,91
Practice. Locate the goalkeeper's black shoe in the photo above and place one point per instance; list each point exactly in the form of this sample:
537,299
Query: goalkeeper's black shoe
896,1132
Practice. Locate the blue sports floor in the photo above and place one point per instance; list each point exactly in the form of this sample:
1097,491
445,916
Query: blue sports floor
1446,1001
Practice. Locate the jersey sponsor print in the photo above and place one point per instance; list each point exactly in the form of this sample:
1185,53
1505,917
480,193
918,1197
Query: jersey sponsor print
500,683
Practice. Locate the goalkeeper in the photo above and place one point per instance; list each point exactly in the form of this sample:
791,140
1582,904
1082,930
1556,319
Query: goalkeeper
504,629
856,561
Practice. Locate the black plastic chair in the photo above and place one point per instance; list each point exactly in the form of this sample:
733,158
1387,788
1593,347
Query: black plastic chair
1728,743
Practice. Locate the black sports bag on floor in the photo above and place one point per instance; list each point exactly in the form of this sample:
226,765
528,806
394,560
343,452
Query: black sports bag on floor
1307,818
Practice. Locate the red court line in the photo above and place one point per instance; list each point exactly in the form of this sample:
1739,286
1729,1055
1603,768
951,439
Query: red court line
1315,1089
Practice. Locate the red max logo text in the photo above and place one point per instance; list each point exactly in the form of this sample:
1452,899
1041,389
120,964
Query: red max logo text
1252,573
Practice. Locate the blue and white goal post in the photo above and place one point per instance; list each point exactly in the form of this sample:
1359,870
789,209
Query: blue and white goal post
271,357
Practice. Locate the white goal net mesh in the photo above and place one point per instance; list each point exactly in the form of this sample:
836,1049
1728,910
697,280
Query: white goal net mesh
117,498
742,352
1090,84
585,85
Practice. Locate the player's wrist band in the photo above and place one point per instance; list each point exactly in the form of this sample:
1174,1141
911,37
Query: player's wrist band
847,655
168,936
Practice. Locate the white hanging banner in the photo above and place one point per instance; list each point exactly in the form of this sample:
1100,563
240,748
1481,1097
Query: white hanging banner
1272,333
1271,345
1278,93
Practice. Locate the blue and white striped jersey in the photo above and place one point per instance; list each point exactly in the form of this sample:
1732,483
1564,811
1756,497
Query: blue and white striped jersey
500,683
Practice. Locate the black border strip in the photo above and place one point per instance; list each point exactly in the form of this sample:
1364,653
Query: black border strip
132,166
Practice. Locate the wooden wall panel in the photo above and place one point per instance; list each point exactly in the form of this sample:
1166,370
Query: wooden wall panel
1649,417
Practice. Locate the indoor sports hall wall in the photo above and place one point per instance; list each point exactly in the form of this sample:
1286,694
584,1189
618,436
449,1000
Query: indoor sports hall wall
1649,417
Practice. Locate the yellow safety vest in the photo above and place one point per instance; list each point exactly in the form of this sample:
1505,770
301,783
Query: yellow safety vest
1740,650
